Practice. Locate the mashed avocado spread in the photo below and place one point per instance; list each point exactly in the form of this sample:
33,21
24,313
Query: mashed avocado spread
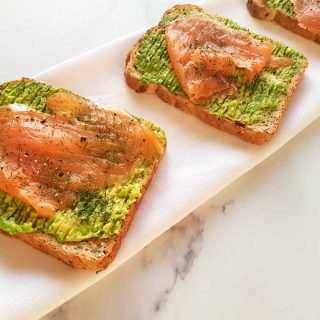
97,214
284,6
253,103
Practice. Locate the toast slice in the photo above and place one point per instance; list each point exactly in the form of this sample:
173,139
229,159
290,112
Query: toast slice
281,12
93,253
254,115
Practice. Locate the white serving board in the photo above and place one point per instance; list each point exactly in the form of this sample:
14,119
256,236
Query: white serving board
199,162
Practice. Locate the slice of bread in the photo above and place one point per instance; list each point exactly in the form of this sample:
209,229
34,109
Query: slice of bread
257,132
94,254
260,10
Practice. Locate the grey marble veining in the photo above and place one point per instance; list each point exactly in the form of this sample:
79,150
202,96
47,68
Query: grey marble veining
189,234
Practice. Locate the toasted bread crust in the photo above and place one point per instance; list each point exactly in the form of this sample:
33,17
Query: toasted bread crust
256,133
259,10
94,254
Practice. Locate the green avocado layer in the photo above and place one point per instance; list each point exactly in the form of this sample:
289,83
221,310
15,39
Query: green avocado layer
284,6
97,214
253,103
30,93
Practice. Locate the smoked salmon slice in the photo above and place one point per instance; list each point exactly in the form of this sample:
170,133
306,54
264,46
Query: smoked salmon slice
308,13
205,56
46,159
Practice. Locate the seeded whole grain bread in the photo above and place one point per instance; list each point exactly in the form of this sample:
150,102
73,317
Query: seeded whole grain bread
94,254
259,10
256,133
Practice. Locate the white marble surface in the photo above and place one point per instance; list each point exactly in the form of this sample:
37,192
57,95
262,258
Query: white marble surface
181,275
39,34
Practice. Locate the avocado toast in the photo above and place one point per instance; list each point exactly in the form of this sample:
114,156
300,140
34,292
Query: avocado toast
85,232
284,13
254,113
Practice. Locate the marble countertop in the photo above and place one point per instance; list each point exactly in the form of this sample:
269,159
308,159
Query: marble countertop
182,275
